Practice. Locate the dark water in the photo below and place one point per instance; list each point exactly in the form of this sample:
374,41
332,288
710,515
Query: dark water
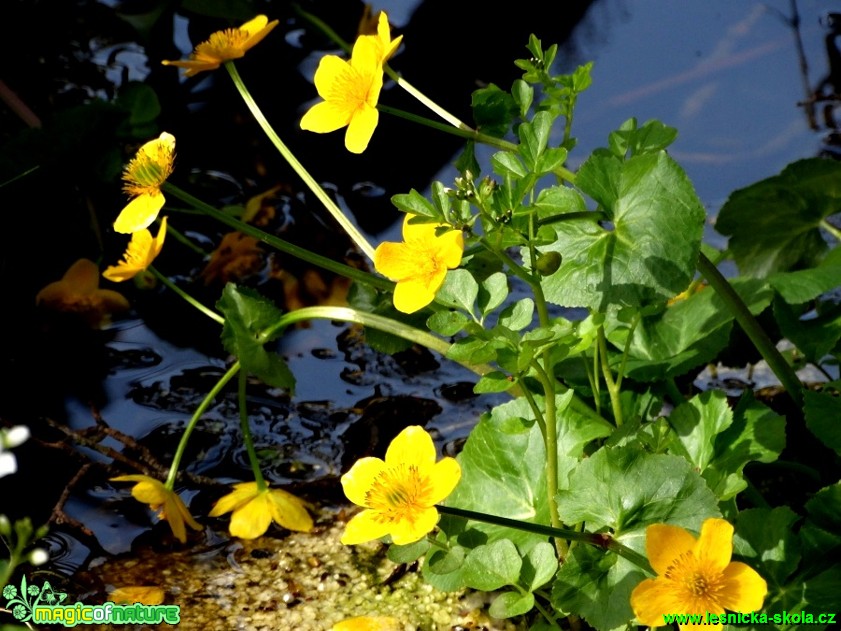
727,74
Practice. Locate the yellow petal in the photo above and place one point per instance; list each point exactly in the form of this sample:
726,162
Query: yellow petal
257,29
452,248
715,545
443,478
243,492
324,117
414,294
366,526
412,446
664,544
358,481
252,519
289,511
744,589
332,77
407,531
654,597
137,594
361,128
82,276
394,260
194,66
139,213
173,515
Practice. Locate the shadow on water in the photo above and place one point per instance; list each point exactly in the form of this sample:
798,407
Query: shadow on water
134,385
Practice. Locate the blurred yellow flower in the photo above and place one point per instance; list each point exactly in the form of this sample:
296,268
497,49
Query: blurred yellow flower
400,493
419,264
222,46
141,251
137,594
350,90
253,510
695,576
78,292
368,623
143,178
386,47
162,500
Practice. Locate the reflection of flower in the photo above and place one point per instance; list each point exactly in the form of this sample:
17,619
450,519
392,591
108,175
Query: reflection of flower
225,45
419,264
350,90
253,510
141,251
9,592
143,178
137,594
695,576
400,493
164,501
237,257
368,623
78,292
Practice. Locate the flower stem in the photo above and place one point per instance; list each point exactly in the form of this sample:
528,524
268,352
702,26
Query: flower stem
835,232
205,310
781,368
612,386
278,243
182,444
246,433
425,100
604,541
320,193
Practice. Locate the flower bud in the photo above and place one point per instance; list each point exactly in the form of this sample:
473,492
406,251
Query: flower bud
548,263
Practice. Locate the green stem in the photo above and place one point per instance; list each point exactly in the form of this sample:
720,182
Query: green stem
320,193
182,444
425,100
612,386
278,243
603,541
246,433
205,310
183,240
835,232
780,367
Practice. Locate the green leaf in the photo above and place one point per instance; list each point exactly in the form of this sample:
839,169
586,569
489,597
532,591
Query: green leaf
823,417
767,540
688,333
415,204
492,566
597,586
447,323
539,566
697,423
773,225
510,604
494,381
627,489
459,290
558,200
650,253
534,136
518,315
506,164
815,336
408,553
492,292
805,285
247,316
653,136
821,534
493,110
523,95
756,434
444,569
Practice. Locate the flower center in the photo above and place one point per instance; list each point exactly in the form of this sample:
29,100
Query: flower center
224,45
148,170
399,492
700,584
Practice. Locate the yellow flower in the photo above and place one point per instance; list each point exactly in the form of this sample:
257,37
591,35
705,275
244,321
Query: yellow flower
419,264
386,47
232,43
137,594
143,178
368,623
141,251
162,500
350,90
253,510
695,576
78,292
400,493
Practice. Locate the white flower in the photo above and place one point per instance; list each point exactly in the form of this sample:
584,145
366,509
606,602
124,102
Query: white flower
15,436
8,464
38,556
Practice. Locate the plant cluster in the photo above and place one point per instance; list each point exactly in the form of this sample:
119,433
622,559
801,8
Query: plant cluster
601,491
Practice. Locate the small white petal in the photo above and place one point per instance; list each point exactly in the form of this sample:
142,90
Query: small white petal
8,464
38,556
15,436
